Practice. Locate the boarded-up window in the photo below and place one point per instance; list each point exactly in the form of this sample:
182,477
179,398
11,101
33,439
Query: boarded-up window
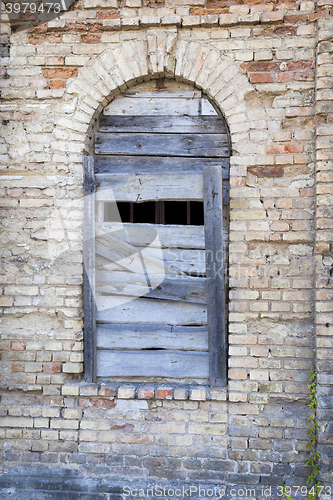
154,256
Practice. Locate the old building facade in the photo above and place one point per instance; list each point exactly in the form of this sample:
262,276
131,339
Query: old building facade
267,67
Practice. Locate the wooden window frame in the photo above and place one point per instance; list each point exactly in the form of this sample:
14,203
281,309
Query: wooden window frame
216,324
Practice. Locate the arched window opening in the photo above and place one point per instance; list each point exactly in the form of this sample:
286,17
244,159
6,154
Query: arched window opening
156,247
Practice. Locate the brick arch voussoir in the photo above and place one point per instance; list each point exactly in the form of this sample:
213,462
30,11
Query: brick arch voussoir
127,63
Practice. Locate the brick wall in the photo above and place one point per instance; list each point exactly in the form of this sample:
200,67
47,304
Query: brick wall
268,68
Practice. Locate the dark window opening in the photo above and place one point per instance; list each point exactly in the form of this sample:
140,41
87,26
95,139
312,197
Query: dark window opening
157,212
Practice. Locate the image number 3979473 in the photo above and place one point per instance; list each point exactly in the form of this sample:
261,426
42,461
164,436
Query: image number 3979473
26,14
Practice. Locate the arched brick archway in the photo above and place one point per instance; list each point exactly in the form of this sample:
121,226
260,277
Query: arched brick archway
167,54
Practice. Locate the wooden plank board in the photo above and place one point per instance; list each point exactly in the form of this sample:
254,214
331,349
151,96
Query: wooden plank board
89,269
163,94
183,289
150,187
156,235
171,364
111,165
159,106
144,310
162,144
215,279
138,337
170,124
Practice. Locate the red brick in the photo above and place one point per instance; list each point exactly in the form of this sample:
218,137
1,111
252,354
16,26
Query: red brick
305,76
52,368
18,346
17,367
108,15
91,38
90,28
164,393
36,39
266,171
60,73
263,66
295,18
293,148
107,391
285,77
57,84
307,192
285,31
296,65
319,15
53,38
261,78
101,403
237,181
146,393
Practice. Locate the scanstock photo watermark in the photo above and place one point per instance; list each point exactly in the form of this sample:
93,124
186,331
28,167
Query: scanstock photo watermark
30,14
226,492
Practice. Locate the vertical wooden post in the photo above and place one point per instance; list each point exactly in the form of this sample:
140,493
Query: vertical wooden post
217,335
89,269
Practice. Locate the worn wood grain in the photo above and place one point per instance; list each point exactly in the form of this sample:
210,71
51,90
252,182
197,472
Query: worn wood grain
111,165
206,145
139,337
183,289
115,249
160,106
150,187
156,235
145,310
171,364
170,124
215,279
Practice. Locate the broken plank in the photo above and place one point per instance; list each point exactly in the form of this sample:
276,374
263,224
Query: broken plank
144,310
157,235
170,124
138,337
171,364
206,145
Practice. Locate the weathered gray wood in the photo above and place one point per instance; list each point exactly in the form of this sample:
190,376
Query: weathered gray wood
170,124
171,364
138,260
89,269
188,261
143,310
162,144
136,188
183,289
217,337
139,337
156,235
111,165
159,106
